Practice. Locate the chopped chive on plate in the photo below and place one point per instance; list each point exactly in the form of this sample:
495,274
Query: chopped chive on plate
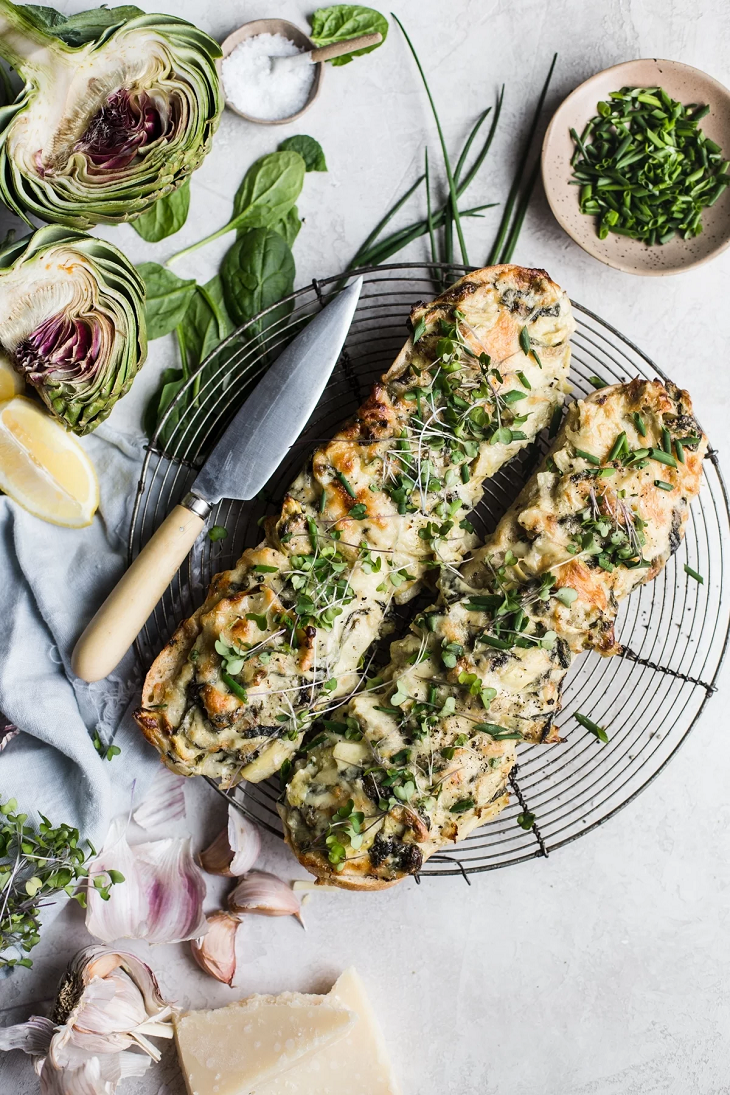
681,82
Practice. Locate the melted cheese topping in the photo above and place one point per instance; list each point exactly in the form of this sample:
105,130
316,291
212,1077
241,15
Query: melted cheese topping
283,634
483,669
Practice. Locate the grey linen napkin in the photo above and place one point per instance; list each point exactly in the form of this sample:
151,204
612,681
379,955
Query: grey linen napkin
52,580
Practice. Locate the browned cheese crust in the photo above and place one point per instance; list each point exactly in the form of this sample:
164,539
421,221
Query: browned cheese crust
282,635
423,760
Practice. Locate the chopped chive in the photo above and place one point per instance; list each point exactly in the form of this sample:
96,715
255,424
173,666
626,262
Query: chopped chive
666,440
323,501
663,457
342,478
617,446
604,473
525,341
679,449
524,381
640,424
537,359
597,382
555,419
234,686
587,456
216,533
693,574
662,485
589,724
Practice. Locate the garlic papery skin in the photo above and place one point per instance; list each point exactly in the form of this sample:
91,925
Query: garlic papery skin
264,893
161,899
163,802
235,850
108,1006
215,952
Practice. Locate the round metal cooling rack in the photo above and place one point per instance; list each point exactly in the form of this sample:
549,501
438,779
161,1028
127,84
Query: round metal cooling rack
674,630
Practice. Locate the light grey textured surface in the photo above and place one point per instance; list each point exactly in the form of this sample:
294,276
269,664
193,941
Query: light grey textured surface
604,970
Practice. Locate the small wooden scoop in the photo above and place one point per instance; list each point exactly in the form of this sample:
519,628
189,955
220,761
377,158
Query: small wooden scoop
326,53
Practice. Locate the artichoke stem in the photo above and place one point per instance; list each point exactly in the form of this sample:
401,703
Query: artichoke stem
24,46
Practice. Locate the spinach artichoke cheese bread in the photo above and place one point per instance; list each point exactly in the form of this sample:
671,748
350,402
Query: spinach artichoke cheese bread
283,635
425,758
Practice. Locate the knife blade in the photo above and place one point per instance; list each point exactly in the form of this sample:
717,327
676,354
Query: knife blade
271,419
251,448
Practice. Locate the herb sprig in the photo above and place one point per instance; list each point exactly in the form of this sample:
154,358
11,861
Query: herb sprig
36,867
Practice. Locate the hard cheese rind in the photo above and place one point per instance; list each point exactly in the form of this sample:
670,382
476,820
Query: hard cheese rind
236,1049
356,1064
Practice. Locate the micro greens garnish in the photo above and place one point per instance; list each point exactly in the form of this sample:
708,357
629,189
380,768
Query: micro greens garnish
344,828
36,866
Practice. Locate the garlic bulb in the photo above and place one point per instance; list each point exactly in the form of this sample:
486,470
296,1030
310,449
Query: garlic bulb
264,893
215,952
108,1005
235,850
164,801
161,899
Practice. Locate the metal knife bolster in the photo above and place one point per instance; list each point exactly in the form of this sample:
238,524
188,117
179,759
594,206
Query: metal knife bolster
197,505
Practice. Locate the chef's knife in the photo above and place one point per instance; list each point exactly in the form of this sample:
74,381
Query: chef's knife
248,453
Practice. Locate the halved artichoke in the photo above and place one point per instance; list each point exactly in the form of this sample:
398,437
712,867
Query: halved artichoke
73,323
103,129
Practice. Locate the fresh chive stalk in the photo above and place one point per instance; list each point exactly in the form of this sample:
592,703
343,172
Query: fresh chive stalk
447,162
507,235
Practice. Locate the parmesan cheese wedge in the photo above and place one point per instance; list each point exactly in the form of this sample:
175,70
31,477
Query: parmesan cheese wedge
236,1049
356,1064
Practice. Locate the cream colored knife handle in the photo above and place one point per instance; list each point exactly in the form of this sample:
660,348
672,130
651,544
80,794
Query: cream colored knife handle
122,616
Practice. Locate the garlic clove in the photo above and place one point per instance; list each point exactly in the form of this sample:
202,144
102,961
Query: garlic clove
235,850
164,801
161,899
265,894
33,1036
215,952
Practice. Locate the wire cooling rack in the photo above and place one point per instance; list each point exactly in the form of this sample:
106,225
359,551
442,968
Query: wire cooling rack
674,630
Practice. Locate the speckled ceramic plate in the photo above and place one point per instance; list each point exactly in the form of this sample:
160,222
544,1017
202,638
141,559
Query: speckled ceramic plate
682,82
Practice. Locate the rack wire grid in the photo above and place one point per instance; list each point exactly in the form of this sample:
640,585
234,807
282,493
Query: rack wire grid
674,630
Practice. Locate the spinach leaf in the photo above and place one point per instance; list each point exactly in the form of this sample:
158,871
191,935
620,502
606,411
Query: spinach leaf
288,226
269,189
309,149
171,382
204,325
343,21
166,216
256,273
167,298
83,27
214,289
201,329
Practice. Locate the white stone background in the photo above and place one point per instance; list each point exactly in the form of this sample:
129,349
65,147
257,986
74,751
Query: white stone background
604,970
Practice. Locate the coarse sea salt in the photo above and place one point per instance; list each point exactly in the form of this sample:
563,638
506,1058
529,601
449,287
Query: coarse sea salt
254,89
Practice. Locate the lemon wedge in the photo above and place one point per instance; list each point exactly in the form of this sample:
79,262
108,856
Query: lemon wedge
43,468
11,382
